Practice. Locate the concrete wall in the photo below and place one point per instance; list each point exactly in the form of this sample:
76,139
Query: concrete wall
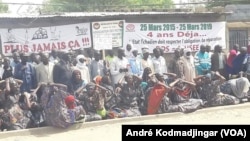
240,12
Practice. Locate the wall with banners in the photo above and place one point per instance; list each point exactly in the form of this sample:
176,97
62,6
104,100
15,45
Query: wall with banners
170,36
44,39
167,29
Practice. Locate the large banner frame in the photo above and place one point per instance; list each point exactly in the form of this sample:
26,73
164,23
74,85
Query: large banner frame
107,34
44,39
170,36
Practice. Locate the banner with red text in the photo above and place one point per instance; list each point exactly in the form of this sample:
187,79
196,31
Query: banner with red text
170,36
44,39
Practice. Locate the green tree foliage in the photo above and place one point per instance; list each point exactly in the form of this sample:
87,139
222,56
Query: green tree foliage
3,7
223,3
101,5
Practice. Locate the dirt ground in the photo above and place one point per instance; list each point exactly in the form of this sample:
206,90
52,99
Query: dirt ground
237,114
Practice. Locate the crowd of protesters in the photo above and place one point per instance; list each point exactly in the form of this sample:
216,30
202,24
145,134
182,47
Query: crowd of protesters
62,88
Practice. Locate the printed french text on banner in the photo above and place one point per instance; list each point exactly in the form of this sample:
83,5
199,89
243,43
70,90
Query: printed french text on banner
107,34
44,39
170,36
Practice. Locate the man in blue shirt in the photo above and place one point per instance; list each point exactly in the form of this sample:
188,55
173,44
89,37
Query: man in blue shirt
135,63
25,71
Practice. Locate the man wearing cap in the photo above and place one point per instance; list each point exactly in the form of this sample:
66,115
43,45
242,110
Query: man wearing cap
119,66
146,60
44,71
25,71
135,63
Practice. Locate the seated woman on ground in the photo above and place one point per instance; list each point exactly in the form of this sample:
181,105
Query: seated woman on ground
18,117
210,90
106,100
130,96
184,94
93,101
60,108
110,97
237,87
76,82
146,77
157,100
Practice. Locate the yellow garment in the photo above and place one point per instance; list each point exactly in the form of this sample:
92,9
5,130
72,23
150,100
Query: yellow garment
102,112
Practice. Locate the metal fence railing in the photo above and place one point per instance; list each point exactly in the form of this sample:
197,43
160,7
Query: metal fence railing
239,37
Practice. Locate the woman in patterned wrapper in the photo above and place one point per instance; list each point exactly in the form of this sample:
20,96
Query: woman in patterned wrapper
18,117
92,98
130,95
185,95
211,92
158,101
238,87
76,82
61,109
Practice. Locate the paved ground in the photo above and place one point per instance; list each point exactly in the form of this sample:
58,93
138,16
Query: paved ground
111,131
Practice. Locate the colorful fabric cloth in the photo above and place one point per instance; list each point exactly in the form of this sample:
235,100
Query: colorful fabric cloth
155,98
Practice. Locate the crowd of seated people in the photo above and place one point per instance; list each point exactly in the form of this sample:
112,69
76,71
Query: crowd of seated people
52,90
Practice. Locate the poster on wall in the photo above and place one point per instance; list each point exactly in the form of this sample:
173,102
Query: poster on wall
170,36
44,39
107,34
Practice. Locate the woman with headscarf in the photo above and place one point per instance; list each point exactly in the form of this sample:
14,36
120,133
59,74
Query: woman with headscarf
93,100
110,96
76,82
131,96
184,94
158,101
189,72
97,79
61,109
211,92
18,118
81,66
76,111
229,63
237,87
8,70
146,77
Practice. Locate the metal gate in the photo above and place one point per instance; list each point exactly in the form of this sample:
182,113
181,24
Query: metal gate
239,37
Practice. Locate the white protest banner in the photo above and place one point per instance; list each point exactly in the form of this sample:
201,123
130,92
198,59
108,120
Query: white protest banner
107,34
44,39
170,36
